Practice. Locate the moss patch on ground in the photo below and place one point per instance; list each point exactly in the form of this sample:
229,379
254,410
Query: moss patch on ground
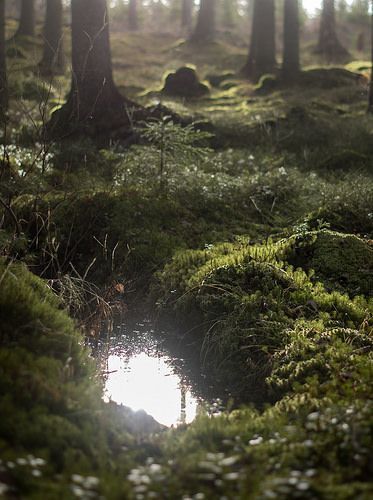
243,301
57,437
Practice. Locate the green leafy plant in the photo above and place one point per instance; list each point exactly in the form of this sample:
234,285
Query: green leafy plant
172,141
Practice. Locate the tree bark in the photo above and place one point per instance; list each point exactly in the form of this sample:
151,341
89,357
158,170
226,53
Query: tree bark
329,46
291,63
228,7
3,75
53,60
27,19
262,53
133,20
186,14
205,28
370,100
94,105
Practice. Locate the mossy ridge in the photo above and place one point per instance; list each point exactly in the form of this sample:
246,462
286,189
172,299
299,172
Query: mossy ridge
247,299
50,401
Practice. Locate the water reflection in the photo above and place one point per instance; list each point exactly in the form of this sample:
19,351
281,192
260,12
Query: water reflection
141,375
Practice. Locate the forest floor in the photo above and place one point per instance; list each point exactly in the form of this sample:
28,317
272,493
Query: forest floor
255,230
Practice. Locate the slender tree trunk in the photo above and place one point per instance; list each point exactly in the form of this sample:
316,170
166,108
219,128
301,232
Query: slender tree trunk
133,20
291,63
94,105
3,78
329,46
53,61
186,14
262,53
27,19
205,29
370,102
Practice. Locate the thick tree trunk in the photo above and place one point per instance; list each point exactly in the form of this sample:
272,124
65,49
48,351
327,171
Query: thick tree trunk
94,105
205,29
27,19
291,63
133,20
329,46
3,78
262,53
53,61
186,14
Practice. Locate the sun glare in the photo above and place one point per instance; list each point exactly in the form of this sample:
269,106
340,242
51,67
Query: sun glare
148,383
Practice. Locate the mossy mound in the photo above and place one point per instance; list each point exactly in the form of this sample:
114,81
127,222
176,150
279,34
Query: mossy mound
267,84
340,261
330,78
216,80
53,421
242,300
185,83
321,78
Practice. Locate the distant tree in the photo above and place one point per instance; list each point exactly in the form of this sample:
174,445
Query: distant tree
360,9
94,104
53,60
3,78
290,62
370,103
329,46
186,14
205,28
228,11
26,25
133,19
262,53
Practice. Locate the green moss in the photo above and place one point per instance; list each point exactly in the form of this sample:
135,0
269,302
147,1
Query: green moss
342,261
50,398
243,300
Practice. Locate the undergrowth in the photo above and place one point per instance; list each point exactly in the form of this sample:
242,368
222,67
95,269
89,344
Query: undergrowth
255,237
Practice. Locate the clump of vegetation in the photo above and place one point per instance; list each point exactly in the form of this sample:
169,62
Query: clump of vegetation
56,433
242,300
341,261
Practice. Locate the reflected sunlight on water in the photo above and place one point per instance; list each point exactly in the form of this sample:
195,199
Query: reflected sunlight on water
145,379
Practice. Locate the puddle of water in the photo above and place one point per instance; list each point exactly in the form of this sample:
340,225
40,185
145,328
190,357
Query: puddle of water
141,375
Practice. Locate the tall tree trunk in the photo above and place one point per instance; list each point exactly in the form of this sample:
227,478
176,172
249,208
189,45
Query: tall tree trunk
329,46
3,78
262,53
186,14
228,10
133,20
53,61
370,103
290,62
205,29
94,105
27,19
